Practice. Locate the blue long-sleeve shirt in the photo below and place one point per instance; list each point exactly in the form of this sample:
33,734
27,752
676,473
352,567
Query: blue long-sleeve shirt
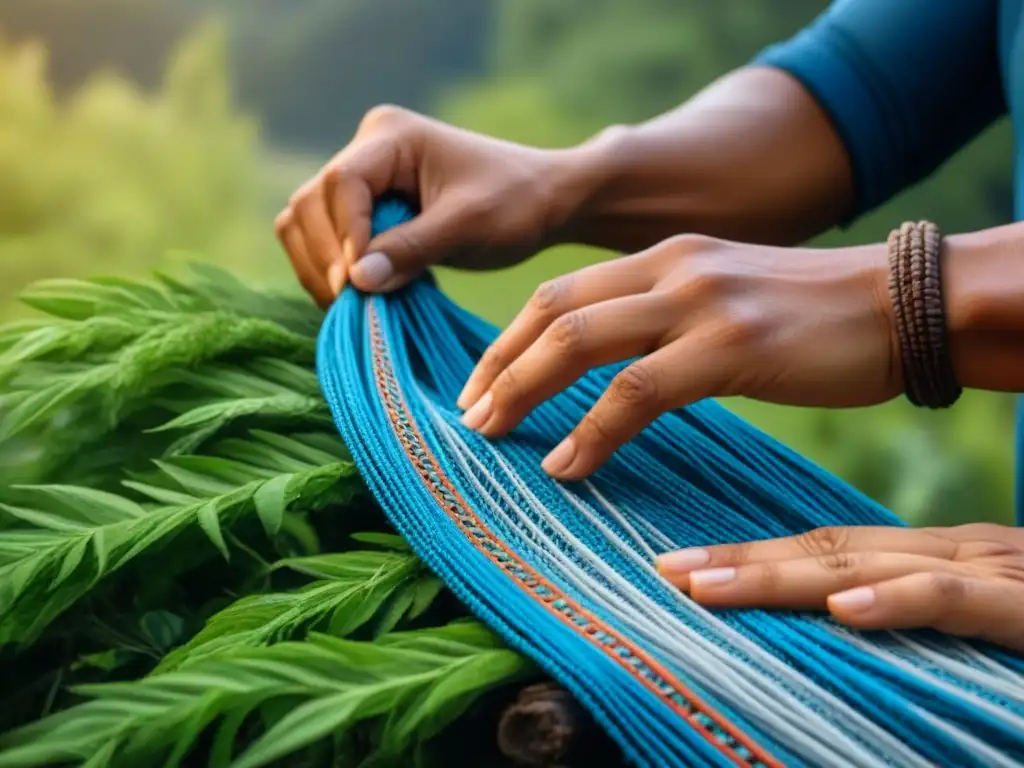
906,84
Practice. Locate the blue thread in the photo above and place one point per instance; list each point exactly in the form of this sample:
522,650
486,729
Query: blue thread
699,476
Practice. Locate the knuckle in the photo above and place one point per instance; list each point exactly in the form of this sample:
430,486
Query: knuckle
282,222
568,332
981,531
947,588
825,541
493,359
967,551
506,391
702,282
733,554
1011,569
843,565
740,327
301,197
594,427
689,243
767,577
551,296
408,242
383,116
637,385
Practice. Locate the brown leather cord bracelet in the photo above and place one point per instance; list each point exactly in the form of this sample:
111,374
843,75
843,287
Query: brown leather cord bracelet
919,312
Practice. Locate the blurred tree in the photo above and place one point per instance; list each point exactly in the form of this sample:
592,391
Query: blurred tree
132,37
313,75
626,60
111,182
309,68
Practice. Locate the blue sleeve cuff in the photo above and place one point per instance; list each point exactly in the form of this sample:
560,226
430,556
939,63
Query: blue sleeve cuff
845,94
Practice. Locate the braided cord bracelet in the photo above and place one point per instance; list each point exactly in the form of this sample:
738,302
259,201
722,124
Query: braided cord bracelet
915,287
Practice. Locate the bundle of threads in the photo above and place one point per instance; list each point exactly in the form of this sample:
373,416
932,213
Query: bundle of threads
565,572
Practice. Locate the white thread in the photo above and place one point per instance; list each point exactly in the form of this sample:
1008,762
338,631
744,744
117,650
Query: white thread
888,743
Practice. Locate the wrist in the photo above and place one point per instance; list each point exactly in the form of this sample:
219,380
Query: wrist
985,307
583,175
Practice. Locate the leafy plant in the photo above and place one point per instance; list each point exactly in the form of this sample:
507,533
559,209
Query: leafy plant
190,569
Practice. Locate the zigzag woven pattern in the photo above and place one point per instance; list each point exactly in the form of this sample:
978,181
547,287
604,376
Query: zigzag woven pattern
565,571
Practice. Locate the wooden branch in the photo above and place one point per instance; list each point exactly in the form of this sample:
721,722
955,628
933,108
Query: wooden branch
546,727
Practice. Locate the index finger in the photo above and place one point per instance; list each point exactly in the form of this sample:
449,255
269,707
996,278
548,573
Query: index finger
553,299
360,173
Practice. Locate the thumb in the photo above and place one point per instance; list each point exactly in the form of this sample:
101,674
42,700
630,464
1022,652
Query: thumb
396,257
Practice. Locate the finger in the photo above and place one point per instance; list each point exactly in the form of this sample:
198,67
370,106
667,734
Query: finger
957,604
805,584
685,371
311,278
362,172
980,532
591,285
322,241
819,542
400,254
586,338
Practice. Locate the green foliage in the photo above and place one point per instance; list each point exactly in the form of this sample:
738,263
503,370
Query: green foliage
191,570
310,69
110,181
626,60
417,682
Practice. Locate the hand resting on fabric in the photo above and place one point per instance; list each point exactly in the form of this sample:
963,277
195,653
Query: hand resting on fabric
705,318
966,580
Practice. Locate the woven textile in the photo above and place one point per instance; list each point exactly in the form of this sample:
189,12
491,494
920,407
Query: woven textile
565,571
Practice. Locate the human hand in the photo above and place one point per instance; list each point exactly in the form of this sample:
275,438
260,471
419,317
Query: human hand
966,580
707,318
484,203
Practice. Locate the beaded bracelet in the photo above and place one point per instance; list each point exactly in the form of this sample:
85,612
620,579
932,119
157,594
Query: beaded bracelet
915,287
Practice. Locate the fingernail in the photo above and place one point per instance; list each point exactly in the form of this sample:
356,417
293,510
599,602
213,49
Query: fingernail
478,415
373,270
683,560
348,251
464,400
712,576
857,599
560,458
336,277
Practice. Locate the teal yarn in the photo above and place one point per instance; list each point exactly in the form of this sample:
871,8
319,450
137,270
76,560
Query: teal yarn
564,571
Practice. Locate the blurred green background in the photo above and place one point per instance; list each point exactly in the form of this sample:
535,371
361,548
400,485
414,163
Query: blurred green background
138,133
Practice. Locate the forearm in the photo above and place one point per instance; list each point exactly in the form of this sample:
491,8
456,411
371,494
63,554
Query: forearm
751,158
983,281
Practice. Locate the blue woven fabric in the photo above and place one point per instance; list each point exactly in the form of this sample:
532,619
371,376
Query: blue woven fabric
563,571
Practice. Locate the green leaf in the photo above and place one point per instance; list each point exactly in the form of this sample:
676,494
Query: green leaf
386,540
316,719
163,628
425,591
271,500
87,505
353,588
45,520
209,521
223,748
74,557
399,603
327,682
